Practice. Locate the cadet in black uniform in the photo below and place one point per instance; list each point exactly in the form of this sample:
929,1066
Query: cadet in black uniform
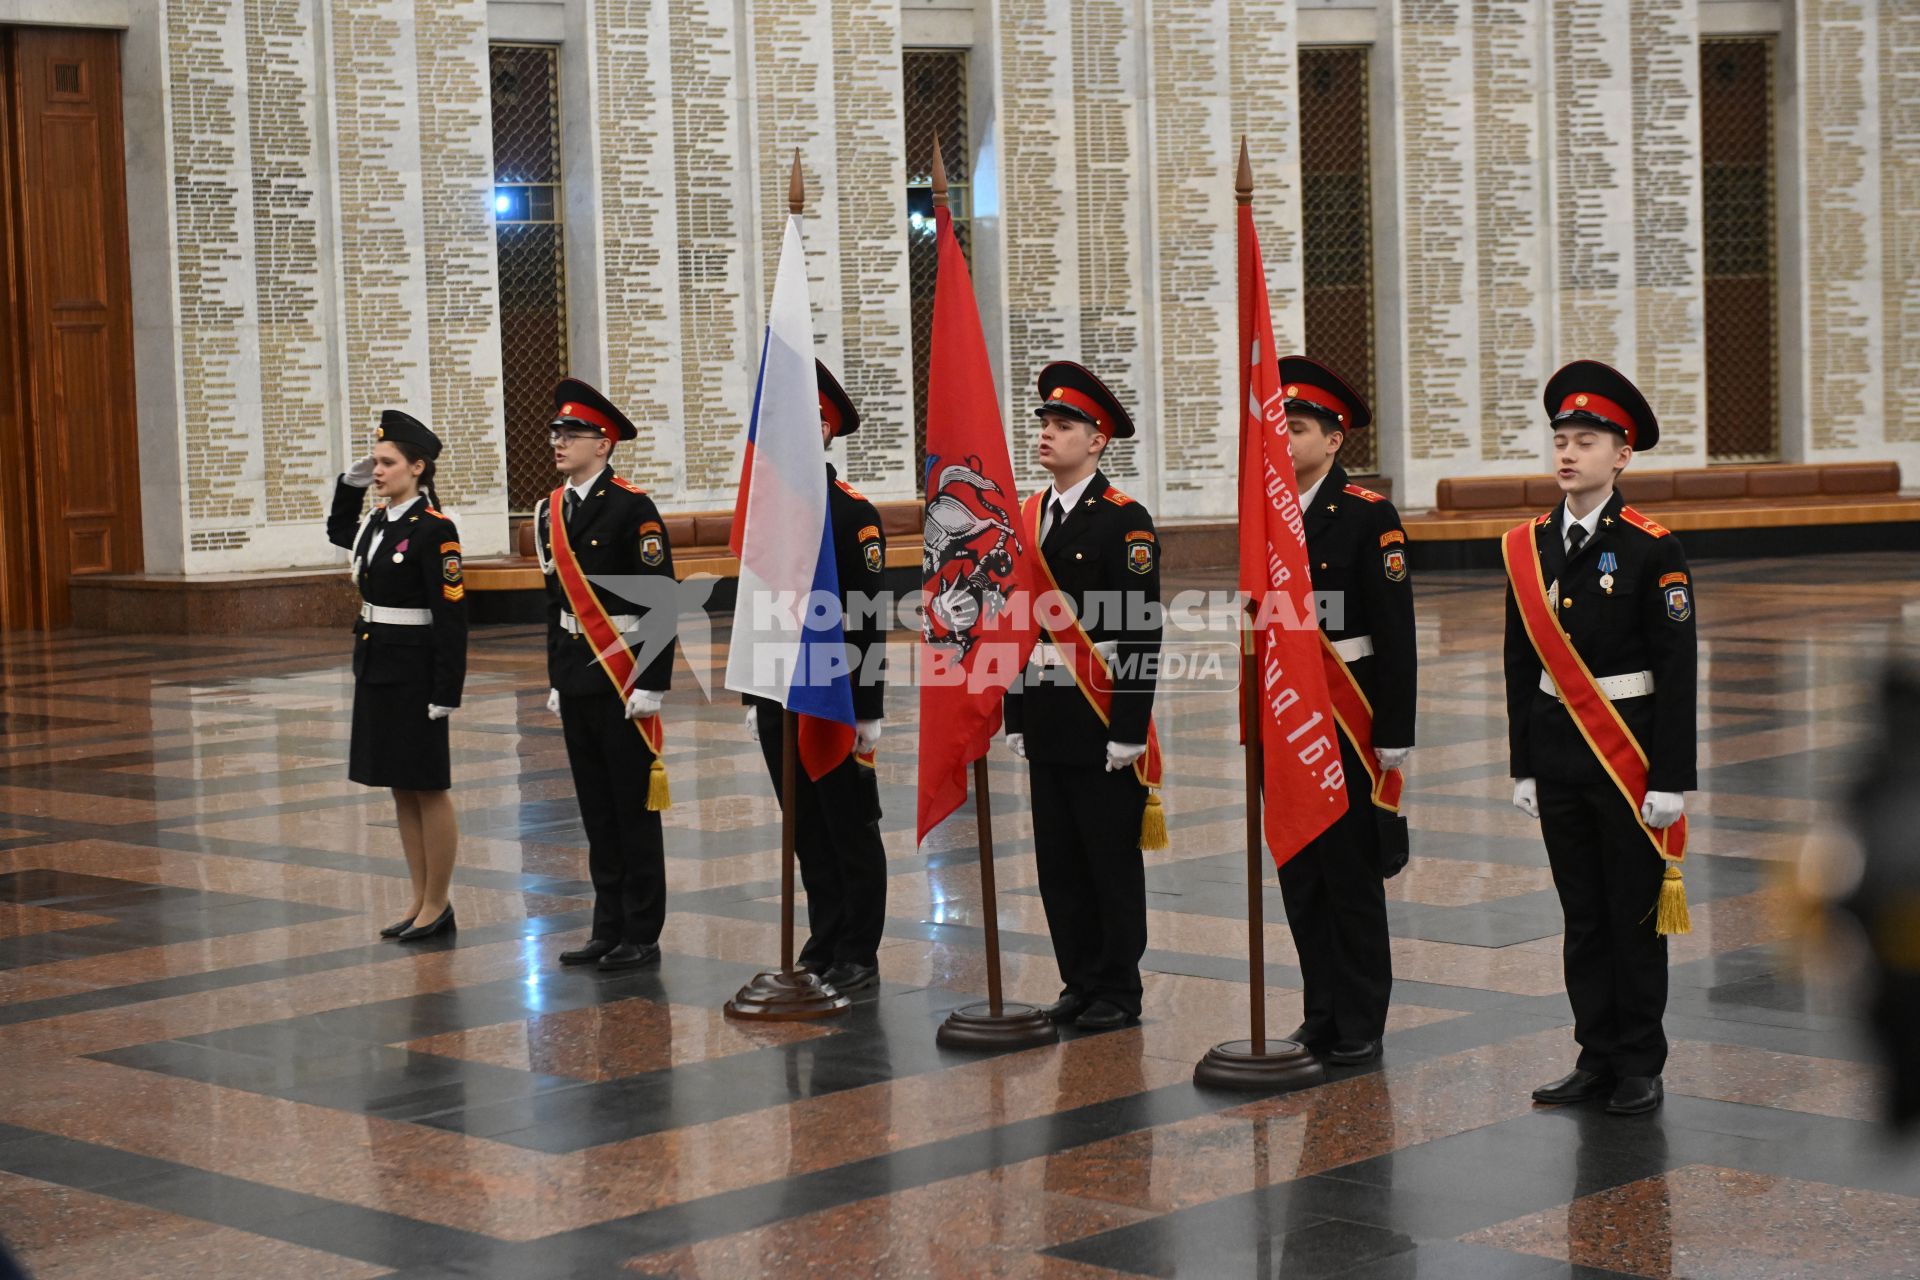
1357,553
1620,588
843,862
1087,798
409,654
615,531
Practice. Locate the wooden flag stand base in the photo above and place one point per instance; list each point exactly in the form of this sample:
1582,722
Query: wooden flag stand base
995,1024
790,995
1256,1064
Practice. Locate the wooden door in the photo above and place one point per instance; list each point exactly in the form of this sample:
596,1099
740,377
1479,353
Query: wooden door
68,443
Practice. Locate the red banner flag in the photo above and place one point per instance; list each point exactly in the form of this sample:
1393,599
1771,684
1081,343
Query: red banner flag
1304,783
980,625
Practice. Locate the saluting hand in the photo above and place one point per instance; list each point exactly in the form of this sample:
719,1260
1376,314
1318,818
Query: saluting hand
360,474
1526,797
1661,809
1122,754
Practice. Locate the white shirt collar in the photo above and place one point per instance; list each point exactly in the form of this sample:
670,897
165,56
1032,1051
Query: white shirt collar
580,490
1306,499
1071,497
397,509
1590,522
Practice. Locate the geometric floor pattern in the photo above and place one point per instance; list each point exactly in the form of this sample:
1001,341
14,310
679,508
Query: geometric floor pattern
211,1067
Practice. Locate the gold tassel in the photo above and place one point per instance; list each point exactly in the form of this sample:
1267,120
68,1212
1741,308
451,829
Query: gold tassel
658,796
1153,823
1670,915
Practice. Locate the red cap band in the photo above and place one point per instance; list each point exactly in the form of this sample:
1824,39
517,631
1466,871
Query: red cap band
830,412
1085,404
591,416
1602,408
1321,398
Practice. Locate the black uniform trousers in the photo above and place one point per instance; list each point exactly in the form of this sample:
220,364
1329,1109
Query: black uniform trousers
1608,878
1337,909
1093,880
843,862
626,853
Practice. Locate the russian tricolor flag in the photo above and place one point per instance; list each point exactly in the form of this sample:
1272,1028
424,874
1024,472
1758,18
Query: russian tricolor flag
788,645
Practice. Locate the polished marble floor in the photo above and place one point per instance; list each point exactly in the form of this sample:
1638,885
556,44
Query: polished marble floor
210,1067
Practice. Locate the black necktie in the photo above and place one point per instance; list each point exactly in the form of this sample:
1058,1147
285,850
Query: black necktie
1059,517
1576,539
573,505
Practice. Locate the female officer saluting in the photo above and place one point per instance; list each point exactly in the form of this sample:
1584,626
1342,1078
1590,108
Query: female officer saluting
409,653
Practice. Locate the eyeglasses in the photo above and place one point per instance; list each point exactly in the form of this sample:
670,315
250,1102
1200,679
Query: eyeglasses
557,437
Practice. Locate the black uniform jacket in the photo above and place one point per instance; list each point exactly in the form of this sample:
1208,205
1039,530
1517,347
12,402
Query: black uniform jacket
860,555
1358,555
617,532
1106,560
426,575
1645,623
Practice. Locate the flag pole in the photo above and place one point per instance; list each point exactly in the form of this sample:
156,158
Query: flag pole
1254,1064
995,1025
787,996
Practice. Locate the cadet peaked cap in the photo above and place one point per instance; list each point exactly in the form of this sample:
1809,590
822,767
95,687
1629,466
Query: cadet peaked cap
576,402
1314,388
836,406
403,428
1071,391
1588,391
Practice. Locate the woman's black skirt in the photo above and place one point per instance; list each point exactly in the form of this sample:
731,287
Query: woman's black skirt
394,744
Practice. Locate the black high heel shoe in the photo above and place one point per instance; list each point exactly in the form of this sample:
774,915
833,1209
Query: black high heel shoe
397,928
421,932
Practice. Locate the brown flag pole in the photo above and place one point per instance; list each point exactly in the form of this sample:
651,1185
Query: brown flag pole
996,1024
1255,1063
789,995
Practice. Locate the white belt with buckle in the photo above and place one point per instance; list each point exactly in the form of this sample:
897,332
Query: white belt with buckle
1048,654
622,622
1635,684
396,617
1354,647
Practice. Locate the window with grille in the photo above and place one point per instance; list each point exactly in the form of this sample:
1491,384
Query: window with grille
1736,157
935,100
1336,217
530,248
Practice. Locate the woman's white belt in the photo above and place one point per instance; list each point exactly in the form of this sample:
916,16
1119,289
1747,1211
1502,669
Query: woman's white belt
622,622
1635,684
1047,653
1354,647
396,617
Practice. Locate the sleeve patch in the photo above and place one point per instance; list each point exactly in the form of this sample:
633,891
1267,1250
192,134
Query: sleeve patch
875,561
450,568
653,549
1395,563
1671,578
1141,535
449,547
1392,536
652,526
1356,491
867,531
1140,557
1679,604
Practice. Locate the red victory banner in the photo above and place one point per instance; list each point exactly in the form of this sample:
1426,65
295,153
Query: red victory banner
1304,783
979,624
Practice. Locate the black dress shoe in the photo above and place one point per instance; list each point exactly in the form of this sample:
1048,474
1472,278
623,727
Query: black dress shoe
397,928
848,977
1067,1007
590,953
1308,1038
1635,1095
630,955
421,932
1352,1053
1575,1086
1104,1015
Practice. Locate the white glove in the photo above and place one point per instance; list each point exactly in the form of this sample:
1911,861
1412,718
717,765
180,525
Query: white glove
1122,754
866,735
553,701
753,723
1662,809
644,702
1526,797
437,712
1391,758
1017,743
360,474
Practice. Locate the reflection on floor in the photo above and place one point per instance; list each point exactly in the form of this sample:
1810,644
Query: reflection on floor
213,1068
